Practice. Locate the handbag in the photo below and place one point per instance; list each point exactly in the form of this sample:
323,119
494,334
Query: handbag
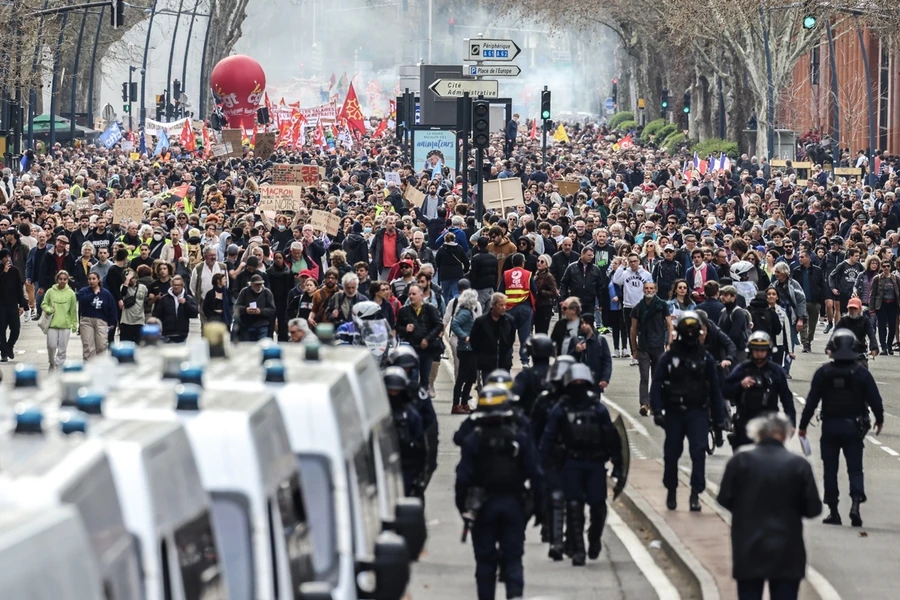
44,321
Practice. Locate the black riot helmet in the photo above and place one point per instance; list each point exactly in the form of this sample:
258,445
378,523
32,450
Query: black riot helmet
558,371
579,376
405,357
499,377
540,346
395,379
843,345
688,328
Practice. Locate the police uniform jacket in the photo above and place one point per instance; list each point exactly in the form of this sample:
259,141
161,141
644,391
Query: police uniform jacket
608,442
862,389
672,365
733,390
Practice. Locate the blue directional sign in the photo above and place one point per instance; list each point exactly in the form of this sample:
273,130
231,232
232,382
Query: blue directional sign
609,104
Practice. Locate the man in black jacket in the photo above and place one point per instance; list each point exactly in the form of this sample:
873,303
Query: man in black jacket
12,304
175,309
666,271
483,272
55,260
812,280
583,280
419,324
492,337
256,308
561,260
786,480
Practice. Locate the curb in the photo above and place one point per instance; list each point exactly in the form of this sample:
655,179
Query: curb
675,550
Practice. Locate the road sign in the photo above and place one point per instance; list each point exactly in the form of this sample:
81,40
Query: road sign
493,70
501,50
455,88
609,104
109,113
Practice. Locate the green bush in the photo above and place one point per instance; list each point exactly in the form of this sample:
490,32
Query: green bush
652,128
616,120
665,131
715,147
672,142
626,126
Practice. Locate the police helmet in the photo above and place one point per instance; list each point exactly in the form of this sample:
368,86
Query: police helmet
759,340
404,356
560,367
579,375
395,379
540,346
836,241
689,327
843,345
366,311
499,377
741,270
493,398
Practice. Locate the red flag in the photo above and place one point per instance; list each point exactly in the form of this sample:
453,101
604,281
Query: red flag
352,112
533,129
332,81
188,142
207,145
253,138
626,143
319,138
382,127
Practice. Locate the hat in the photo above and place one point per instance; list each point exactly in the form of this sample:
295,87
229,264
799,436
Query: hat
407,263
854,303
256,278
357,227
669,247
232,249
253,262
62,238
193,232
306,273
760,248
588,318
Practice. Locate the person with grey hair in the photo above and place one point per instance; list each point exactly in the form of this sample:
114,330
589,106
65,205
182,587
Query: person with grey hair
467,310
340,305
767,536
299,331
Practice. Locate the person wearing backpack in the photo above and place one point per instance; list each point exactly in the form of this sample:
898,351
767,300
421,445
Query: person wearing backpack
764,318
735,321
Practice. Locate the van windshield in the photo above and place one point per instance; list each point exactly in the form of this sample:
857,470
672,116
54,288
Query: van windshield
315,474
295,527
198,560
231,516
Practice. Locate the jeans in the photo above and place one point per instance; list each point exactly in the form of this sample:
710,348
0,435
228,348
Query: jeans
426,359
808,334
887,325
619,331
779,589
465,378
254,334
521,315
647,360
542,317
449,290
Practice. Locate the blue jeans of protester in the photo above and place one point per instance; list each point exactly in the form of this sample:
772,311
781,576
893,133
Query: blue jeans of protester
521,315
449,290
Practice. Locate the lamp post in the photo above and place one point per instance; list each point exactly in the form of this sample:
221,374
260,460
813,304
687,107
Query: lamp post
770,86
835,139
144,65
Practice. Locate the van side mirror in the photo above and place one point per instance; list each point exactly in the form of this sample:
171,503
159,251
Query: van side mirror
410,523
316,590
391,567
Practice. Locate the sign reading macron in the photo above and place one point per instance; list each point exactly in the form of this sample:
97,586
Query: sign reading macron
280,197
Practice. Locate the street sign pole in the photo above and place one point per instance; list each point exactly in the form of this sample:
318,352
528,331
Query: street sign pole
464,112
479,178
544,143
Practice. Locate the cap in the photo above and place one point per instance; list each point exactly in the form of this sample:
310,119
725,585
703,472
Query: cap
306,273
256,279
854,303
669,247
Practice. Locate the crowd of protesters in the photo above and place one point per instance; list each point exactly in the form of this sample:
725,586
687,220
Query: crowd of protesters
641,226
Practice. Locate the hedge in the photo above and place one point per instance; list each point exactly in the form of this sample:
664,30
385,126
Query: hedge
664,132
673,141
626,126
616,120
715,147
652,128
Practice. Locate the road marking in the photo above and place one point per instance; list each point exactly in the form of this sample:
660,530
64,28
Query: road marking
642,558
890,451
627,416
873,440
800,399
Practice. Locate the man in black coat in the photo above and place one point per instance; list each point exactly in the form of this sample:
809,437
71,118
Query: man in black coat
812,280
389,234
767,536
55,260
561,260
584,280
483,272
492,337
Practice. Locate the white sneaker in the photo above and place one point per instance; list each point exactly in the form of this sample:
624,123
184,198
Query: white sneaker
634,362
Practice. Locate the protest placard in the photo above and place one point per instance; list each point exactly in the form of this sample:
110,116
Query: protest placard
127,210
504,194
325,221
567,188
265,144
305,175
389,177
220,150
280,197
82,204
415,197
233,137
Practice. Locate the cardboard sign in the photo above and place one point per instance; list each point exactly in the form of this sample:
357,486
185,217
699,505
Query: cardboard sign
127,210
135,156
567,188
845,171
234,137
325,221
389,177
265,144
415,197
222,149
83,204
280,197
305,175
503,194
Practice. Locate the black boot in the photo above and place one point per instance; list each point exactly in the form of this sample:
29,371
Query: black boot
671,501
695,502
598,522
833,517
855,519
557,522
575,532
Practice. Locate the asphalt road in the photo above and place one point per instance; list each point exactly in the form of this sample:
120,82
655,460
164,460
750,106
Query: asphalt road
857,562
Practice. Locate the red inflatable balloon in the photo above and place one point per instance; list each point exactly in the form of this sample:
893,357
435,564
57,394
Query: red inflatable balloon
238,83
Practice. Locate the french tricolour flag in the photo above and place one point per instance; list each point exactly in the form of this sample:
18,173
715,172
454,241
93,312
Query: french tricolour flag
723,163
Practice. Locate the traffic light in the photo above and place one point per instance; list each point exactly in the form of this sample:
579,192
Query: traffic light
664,101
809,22
615,89
481,128
160,106
133,96
176,91
686,105
125,92
117,14
126,108
545,104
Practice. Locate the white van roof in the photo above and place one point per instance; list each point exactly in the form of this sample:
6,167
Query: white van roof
47,541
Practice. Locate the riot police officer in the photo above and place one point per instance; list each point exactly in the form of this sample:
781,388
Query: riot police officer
590,440
497,378
497,458
410,434
847,392
554,500
755,386
683,394
405,357
529,383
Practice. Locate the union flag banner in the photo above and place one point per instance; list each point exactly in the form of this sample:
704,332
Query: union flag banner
382,127
352,112
188,141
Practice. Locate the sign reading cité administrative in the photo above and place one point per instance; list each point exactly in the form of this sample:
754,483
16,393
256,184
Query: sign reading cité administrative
280,197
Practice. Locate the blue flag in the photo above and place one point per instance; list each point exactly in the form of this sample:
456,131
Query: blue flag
23,164
111,136
162,144
142,145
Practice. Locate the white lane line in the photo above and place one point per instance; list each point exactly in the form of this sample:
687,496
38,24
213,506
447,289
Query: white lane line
800,399
873,440
638,426
890,451
642,558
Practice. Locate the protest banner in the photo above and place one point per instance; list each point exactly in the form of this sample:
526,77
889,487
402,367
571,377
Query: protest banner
567,188
83,204
306,175
219,150
325,221
265,144
152,127
135,156
389,177
280,197
233,137
415,197
127,210
504,194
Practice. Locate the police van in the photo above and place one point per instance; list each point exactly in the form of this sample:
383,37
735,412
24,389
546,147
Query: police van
41,467
46,553
326,434
246,465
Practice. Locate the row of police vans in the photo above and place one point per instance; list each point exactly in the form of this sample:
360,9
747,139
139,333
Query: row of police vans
158,473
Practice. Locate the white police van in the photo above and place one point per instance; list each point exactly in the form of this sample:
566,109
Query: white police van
45,553
246,464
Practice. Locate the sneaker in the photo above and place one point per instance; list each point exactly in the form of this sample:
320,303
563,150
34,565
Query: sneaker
34,313
645,410
827,328
807,348
634,362
617,353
